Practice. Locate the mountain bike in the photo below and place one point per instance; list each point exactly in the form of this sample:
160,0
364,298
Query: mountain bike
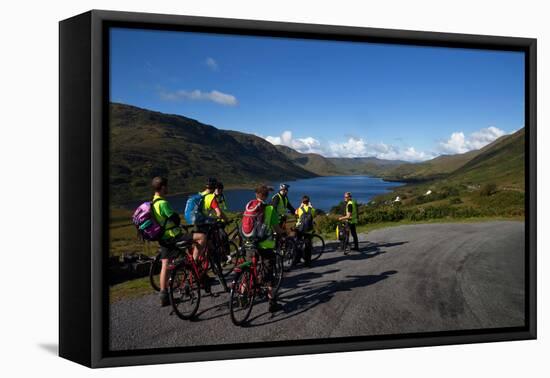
185,281
343,237
188,276
317,246
248,284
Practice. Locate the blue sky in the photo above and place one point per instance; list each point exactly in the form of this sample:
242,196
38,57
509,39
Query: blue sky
334,98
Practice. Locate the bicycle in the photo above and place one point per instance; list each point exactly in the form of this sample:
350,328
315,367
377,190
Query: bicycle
248,284
343,236
188,276
317,246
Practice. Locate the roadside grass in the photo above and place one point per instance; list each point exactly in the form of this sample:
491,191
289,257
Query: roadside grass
130,289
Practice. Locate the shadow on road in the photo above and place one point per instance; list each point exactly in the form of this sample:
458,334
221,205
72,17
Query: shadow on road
298,294
302,299
366,250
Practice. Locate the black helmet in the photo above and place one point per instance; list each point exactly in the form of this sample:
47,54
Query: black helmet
211,183
219,185
284,186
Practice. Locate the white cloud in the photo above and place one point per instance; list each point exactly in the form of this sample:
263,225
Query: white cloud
304,145
212,64
353,147
458,143
197,95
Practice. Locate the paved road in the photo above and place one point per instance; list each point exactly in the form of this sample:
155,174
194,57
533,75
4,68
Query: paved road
415,278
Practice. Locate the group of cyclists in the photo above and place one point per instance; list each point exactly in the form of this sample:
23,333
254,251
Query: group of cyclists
271,213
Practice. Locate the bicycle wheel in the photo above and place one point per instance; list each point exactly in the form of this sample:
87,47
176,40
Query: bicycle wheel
231,258
184,291
317,247
241,298
154,273
289,254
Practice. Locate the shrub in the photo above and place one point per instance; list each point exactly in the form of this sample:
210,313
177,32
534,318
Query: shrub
455,201
488,189
326,223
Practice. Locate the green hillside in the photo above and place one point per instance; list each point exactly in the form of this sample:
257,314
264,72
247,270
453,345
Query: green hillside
431,169
365,165
145,144
445,165
501,163
492,182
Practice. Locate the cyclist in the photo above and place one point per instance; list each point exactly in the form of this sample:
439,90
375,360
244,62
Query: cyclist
281,203
200,230
164,214
220,197
351,217
212,206
304,226
266,247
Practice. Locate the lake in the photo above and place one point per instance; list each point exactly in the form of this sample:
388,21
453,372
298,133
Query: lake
324,192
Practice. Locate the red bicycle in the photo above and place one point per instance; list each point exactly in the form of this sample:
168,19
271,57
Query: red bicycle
188,277
248,284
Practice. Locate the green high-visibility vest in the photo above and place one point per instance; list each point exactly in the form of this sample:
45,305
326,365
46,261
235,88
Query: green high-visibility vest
282,205
353,219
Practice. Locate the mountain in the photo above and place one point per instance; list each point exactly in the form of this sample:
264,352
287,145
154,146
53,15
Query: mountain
445,166
144,144
365,165
501,162
429,170
315,163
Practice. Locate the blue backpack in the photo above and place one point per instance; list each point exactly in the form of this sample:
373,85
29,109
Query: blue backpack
193,209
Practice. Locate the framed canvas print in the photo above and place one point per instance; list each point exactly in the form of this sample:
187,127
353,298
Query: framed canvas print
234,188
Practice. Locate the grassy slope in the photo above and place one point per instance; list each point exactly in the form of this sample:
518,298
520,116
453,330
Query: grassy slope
145,144
365,165
500,164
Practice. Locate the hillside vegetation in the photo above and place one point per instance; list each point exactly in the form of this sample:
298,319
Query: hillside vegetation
145,144
489,182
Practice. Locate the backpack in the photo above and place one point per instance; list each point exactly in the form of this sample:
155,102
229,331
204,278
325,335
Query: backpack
252,225
193,209
305,222
147,226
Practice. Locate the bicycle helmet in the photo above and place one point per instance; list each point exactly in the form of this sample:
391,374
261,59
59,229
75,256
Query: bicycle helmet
284,187
219,185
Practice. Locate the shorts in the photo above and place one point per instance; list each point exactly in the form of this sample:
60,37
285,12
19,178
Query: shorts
168,248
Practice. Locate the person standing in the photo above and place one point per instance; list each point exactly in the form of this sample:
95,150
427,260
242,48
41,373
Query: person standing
351,217
165,215
263,216
281,204
304,226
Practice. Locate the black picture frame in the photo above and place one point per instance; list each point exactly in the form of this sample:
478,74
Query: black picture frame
83,196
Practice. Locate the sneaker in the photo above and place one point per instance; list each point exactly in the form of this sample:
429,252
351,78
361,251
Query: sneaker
207,285
274,306
164,300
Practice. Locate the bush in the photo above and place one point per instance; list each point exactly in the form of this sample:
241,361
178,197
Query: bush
488,189
326,223
455,201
